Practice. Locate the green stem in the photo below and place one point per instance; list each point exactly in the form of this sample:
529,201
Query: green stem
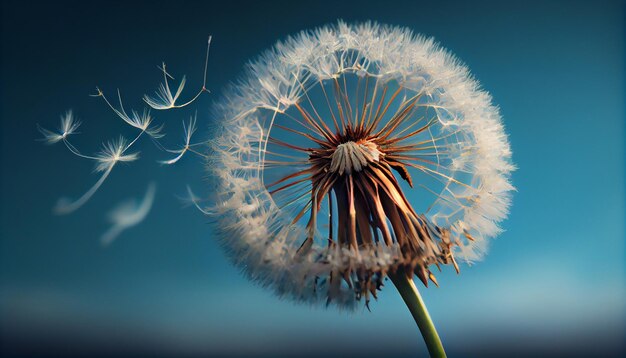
414,302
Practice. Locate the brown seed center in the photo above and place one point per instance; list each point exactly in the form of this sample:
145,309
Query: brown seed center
351,157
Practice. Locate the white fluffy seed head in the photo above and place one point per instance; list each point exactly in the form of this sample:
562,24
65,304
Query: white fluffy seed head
258,233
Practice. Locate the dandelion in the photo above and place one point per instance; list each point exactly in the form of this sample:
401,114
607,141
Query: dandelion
353,153
128,214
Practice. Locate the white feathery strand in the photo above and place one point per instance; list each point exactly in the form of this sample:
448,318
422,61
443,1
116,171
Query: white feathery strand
128,214
163,96
188,130
136,120
69,125
76,152
111,153
49,137
194,200
126,147
164,99
175,159
65,206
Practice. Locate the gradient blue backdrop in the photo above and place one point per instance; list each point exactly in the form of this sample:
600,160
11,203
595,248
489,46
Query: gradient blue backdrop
554,282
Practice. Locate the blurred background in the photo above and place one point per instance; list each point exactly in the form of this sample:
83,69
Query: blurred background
552,284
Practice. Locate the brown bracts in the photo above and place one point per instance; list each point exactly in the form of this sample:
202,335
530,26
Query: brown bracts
354,169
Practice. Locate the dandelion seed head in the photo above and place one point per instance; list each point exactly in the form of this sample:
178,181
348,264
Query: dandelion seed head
351,151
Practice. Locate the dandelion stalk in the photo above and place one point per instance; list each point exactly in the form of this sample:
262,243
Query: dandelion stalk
411,296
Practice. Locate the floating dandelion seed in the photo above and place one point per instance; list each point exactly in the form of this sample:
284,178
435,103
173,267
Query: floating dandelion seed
69,125
128,214
112,152
116,151
352,153
188,129
164,99
141,122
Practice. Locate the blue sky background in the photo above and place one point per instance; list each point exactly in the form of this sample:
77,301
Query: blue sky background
553,282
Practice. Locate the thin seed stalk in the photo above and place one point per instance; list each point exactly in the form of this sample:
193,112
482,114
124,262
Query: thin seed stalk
413,299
